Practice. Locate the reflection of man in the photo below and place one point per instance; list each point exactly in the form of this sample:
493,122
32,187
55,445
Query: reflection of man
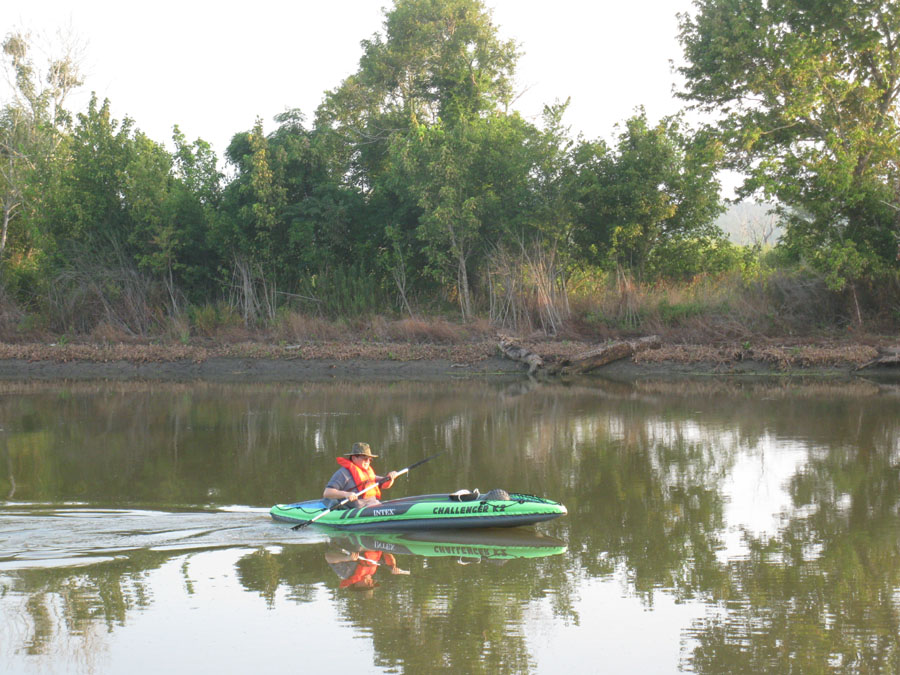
357,569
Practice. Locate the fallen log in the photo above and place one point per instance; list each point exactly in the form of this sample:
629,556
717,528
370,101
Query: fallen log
603,355
581,363
518,353
887,356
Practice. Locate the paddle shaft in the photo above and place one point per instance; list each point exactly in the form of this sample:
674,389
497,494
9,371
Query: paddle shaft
360,556
362,492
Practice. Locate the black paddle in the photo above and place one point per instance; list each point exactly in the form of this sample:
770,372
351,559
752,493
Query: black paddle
361,492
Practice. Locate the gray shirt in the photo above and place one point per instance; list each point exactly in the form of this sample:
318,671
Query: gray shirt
344,569
343,480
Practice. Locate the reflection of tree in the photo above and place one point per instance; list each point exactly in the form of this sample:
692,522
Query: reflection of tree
8,486
263,572
71,601
652,508
820,595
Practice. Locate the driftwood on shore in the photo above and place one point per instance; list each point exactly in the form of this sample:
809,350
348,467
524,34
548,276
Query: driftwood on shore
887,356
580,363
511,350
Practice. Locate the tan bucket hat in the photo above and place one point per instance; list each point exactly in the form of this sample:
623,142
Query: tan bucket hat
361,449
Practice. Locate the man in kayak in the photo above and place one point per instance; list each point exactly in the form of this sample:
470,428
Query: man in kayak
354,475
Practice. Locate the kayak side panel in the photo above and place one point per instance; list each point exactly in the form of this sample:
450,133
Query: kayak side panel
401,516
416,524
442,524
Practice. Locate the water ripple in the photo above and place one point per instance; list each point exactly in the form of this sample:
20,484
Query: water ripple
48,535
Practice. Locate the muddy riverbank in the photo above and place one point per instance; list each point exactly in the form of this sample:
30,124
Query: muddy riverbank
370,360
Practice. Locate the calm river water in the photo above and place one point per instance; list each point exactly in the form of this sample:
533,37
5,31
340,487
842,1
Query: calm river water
714,526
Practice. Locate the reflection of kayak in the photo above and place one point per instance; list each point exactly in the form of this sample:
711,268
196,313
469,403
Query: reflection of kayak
427,512
489,544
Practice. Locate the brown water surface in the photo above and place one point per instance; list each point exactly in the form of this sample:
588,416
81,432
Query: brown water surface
736,526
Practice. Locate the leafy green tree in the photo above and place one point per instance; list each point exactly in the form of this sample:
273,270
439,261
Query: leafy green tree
806,93
116,184
685,258
437,63
190,262
89,214
112,217
171,202
450,221
471,182
437,59
554,179
288,220
250,235
658,184
324,218
286,209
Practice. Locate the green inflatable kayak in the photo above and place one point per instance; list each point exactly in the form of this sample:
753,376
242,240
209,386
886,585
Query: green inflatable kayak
428,512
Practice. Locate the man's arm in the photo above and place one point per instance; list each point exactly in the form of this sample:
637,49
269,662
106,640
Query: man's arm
389,479
340,487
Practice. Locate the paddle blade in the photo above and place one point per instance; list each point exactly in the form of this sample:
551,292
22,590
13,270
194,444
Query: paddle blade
300,526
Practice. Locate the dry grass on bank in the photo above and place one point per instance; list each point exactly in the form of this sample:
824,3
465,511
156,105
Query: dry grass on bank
779,356
784,319
709,310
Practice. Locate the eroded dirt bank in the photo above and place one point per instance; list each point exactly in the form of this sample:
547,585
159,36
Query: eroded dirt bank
325,360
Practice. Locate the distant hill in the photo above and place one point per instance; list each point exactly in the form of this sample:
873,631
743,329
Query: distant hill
749,223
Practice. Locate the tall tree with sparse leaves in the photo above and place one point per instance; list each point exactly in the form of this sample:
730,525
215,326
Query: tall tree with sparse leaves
33,124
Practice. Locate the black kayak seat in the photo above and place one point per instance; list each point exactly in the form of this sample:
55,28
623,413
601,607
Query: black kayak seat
472,495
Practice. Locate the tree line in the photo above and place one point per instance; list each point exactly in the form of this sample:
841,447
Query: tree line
416,188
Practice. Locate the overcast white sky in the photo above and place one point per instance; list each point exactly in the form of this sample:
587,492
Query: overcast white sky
212,68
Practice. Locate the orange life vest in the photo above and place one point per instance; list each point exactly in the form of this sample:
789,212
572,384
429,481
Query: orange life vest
366,565
363,478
